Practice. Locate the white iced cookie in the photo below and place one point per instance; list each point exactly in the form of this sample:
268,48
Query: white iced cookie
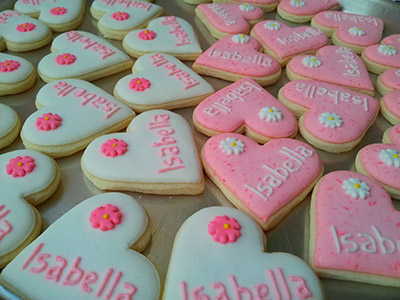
157,155
161,81
86,255
59,15
219,254
117,18
71,114
83,55
170,34
27,178
10,125
20,33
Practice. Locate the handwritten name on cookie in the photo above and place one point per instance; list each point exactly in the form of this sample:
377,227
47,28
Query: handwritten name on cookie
257,59
128,3
6,15
180,35
339,17
5,226
349,61
223,14
308,33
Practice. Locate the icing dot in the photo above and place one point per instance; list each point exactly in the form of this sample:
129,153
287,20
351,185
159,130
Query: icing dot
233,144
6,63
357,186
20,164
106,216
47,118
227,226
396,155
114,145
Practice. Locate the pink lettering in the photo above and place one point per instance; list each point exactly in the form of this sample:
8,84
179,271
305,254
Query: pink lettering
105,281
240,290
89,279
55,273
196,295
301,291
41,259
74,272
132,291
222,295
33,255
261,291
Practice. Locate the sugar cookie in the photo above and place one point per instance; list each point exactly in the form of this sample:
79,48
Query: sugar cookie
388,81
390,107
10,125
265,5
392,135
302,11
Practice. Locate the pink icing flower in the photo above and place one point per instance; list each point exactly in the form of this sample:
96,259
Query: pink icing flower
20,166
65,59
114,148
139,84
224,229
48,122
120,16
58,11
9,66
26,27
105,217
147,35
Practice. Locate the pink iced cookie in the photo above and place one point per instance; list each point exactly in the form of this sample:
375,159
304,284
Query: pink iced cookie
235,57
283,42
392,135
354,230
302,11
264,181
379,58
332,64
265,5
244,106
333,118
350,30
388,81
225,19
390,107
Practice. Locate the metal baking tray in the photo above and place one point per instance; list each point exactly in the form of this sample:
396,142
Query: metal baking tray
167,213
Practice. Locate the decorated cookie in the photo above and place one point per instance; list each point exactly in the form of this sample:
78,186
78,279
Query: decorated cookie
265,5
71,114
379,58
388,81
16,74
235,57
117,18
59,15
390,107
302,11
80,54
227,18
350,30
245,107
392,135
220,236
161,81
264,181
332,118
20,33
157,155
27,178
10,125
169,34
354,230
332,64
283,42
89,253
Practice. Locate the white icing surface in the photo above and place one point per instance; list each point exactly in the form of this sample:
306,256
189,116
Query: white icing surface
72,236
76,125
25,69
356,31
142,161
200,261
8,120
164,88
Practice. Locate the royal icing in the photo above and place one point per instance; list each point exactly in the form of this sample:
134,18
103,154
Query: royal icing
331,120
261,276
391,101
14,69
391,79
231,146
389,58
9,120
356,188
387,50
306,7
394,134
311,61
74,258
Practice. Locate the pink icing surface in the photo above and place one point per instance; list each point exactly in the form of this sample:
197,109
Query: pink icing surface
240,103
392,102
374,55
391,78
339,66
394,134
249,170
312,7
288,41
342,21
334,208
229,17
355,109
243,59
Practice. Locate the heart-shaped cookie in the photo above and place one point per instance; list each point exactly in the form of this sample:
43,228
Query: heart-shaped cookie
350,30
388,81
27,178
332,117
223,19
161,81
235,57
283,42
220,236
157,155
62,127
332,64
86,254
386,56
264,181
117,18
390,107
265,5
302,11
170,34
244,106
10,125
392,135
83,55
354,230
59,15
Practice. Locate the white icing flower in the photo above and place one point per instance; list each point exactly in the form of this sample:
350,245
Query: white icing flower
311,61
270,114
390,157
356,188
356,31
297,3
330,120
240,39
272,25
398,73
387,50
231,146
246,7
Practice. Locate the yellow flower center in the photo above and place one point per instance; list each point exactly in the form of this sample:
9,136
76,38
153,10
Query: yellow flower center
357,185
146,31
6,64
106,216
358,28
396,155
118,13
139,82
233,144
245,5
114,145
271,110
58,9
24,25
331,118
47,118
389,47
242,35
65,56
313,59
227,226
272,24
20,164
